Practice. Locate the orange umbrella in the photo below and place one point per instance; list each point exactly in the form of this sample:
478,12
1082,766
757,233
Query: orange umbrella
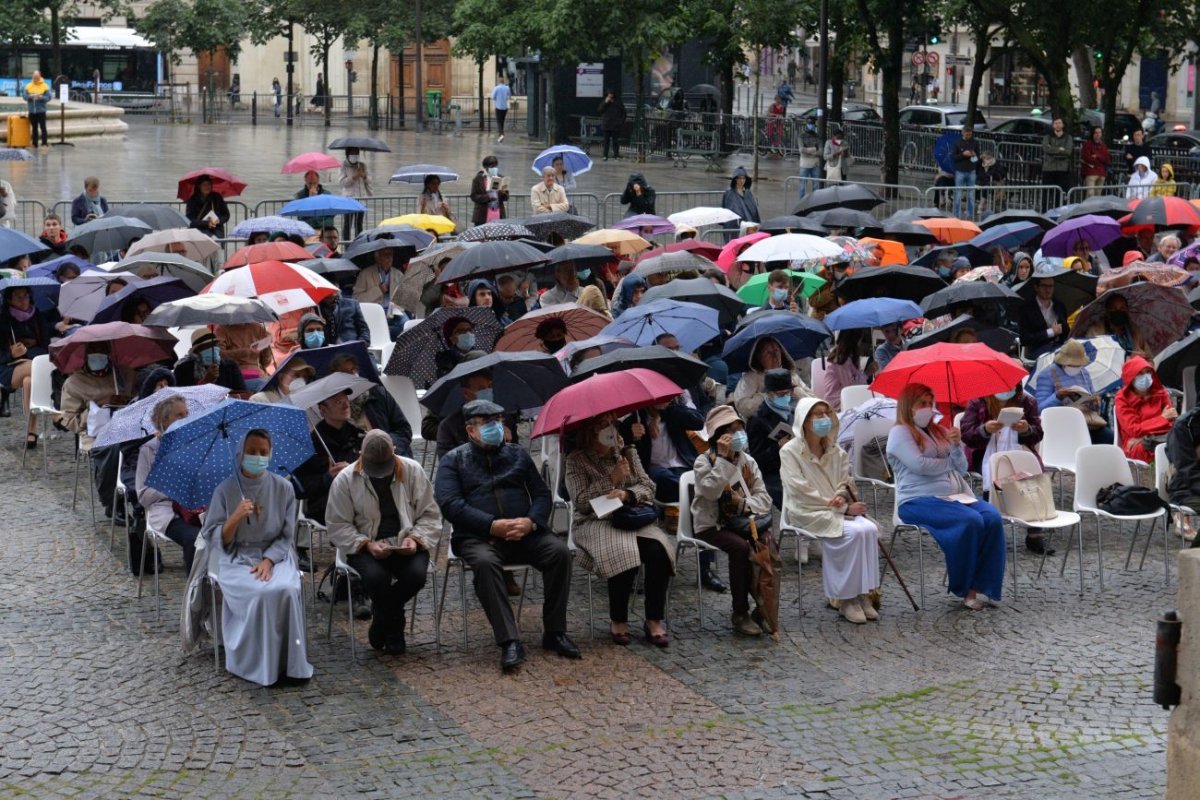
949,230
889,252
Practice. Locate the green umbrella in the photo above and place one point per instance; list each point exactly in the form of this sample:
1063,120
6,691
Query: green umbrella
754,291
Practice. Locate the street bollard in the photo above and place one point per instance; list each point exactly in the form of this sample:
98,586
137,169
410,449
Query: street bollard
457,109
1166,659
254,108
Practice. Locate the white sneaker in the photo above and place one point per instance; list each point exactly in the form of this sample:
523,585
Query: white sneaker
852,611
868,608
501,139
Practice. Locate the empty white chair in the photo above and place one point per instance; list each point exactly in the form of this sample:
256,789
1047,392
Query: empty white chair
377,323
401,388
452,560
816,380
686,536
856,395
1136,463
1064,431
802,537
41,403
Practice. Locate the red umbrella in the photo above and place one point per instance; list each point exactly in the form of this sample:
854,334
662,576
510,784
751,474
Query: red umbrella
706,249
581,323
267,251
615,392
129,346
1162,213
224,182
306,162
957,373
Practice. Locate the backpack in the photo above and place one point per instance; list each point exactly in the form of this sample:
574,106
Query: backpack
1131,500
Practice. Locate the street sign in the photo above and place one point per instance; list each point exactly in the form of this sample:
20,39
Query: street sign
932,59
918,58
589,79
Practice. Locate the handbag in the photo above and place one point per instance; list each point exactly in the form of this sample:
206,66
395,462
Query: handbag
741,523
1027,496
635,517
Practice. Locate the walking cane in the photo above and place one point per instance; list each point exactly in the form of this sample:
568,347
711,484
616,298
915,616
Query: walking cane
888,557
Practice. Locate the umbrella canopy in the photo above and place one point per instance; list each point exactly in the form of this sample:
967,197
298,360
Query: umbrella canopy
321,389
1016,215
980,293
1163,213
49,269
671,262
887,251
409,244
1095,231
134,421
1008,236
842,195
1161,313
409,235
706,249
224,182
950,230
194,275
424,222
581,323
703,215
322,205
128,346
610,392
957,373
1071,288
977,256
791,247
495,232
334,269
846,218
320,359
521,381
568,226
1106,355
153,292
210,309
15,154
15,243
575,161
801,336
754,290
416,349
914,214
790,223
645,225
907,233
900,282
584,255
416,173
1181,257
310,162
621,243
200,452
1104,205
81,297
604,343
735,247
195,244
437,253
267,251
1153,271
489,258
358,143
691,323
872,312
273,224
282,286
729,306
998,339
44,291
157,216
679,368
1170,363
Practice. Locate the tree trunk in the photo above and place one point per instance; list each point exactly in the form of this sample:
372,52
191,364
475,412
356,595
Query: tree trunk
325,71
1082,58
639,106
1111,85
55,42
756,109
837,84
892,72
373,113
982,40
1058,87
479,63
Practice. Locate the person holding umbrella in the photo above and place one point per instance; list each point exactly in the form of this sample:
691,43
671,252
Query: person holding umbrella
357,184
930,466
547,197
767,354
376,409
841,367
252,519
431,201
562,177
206,210
25,332
770,428
178,524
100,383
459,334
566,286
296,374
891,346
205,363
1117,323
311,188
337,442
376,283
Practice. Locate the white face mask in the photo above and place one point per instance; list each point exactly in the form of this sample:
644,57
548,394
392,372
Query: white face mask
607,436
352,159
923,416
297,383
1143,382
1072,371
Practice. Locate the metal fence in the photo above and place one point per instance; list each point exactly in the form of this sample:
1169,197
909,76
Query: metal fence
30,216
993,199
1080,193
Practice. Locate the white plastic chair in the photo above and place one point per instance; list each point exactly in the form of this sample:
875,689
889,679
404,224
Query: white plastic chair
686,535
119,493
402,390
453,560
1100,465
377,324
1064,431
856,395
866,430
802,536
1137,464
41,403
1025,461
816,379
922,532
342,569
212,557
154,539
315,531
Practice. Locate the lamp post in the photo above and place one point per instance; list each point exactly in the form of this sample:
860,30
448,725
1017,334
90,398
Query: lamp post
823,84
348,56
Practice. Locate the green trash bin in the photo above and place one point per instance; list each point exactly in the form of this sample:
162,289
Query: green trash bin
433,103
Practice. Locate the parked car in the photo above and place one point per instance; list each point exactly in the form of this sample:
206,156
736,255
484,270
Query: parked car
1123,127
851,112
1182,150
951,115
1039,126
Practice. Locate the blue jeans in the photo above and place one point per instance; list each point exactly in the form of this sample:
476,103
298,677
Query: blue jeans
808,175
964,179
971,536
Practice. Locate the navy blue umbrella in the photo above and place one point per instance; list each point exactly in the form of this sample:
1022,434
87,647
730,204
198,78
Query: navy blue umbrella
1009,235
319,359
800,336
155,292
522,381
44,290
873,312
15,243
50,268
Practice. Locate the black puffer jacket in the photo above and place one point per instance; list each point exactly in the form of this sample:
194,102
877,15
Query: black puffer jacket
476,485
385,413
1184,487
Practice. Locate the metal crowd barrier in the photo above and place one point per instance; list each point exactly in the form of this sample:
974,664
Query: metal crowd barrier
994,199
239,211
1078,194
30,216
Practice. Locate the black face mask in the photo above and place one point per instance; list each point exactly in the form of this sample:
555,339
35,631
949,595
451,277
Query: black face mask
555,346
1119,318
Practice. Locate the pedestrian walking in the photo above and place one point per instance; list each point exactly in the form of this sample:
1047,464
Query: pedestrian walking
500,96
357,184
612,119
37,96
277,90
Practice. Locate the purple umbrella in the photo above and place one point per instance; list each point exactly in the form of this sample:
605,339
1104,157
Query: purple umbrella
1178,260
648,224
1095,230
155,292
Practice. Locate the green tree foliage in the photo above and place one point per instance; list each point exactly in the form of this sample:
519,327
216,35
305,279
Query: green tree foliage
202,26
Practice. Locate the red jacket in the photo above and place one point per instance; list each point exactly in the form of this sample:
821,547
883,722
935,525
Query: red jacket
1140,415
1095,159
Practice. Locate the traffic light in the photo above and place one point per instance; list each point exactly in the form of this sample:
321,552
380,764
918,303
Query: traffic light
934,34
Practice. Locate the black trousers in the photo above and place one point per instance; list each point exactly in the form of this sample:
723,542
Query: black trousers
104,464
37,122
615,138
390,582
352,225
545,552
501,113
658,575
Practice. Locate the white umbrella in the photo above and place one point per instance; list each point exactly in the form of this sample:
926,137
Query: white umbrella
791,247
703,215
196,245
334,383
1107,357
81,297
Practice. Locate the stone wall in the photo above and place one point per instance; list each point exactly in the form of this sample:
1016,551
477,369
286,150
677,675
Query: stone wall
1183,732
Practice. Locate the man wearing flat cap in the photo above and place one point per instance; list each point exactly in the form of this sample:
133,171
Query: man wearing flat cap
205,363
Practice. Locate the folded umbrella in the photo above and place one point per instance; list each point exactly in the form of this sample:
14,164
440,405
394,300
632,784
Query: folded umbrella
310,162
521,381
950,230
754,290
224,182
1106,357
358,143
679,368
135,421
956,373
842,195
979,293
417,173
495,231
671,262
790,247
580,322
872,312
1071,288
1170,363
309,395
575,161
607,393
44,291
490,258
153,292
159,217
194,275
1008,236
435,223
128,346
728,305
267,251
322,205
999,339
195,244
14,243
645,225
273,224
799,335
1161,313
320,359
80,298
281,285
703,215
691,323
568,226
416,349
900,282
791,223
210,309
735,247
1095,231
621,243
1016,215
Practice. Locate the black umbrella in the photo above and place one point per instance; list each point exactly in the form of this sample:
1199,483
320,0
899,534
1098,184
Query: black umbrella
790,223
703,291
584,255
108,234
1017,215
1071,288
568,226
363,253
359,143
914,214
1194,297
537,244
907,233
1170,363
980,293
496,231
900,281
976,255
998,339
677,261
158,217
489,258
521,381
335,267
1104,205
842,195
415,353
679,368
155,292
846,218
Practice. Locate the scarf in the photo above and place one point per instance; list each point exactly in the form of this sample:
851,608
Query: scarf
21,315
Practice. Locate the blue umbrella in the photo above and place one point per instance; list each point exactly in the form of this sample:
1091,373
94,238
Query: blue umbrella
575,160
1009,235
943,150
416,173
15,243
275,224
44,290
14,154
155,292
976,255
799,335
322,205
691,323
134,421
319,359
49,269
198,453
873,312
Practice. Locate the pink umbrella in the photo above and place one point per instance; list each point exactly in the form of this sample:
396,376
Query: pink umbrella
734,248
310,161
128,346
615,392
580,322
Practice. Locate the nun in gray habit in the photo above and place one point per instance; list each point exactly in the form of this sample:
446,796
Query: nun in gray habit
252,524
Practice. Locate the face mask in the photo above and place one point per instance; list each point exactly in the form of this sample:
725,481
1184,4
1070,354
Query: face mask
944,273
491,434
778,294
297,383
1143,382
923,416
780,403
607,436
740,441
255,465
584,274
1009,395
352,159
465,341
554,347
493,171
97,362
822,426
1072,371
1118,317
314,339
210,356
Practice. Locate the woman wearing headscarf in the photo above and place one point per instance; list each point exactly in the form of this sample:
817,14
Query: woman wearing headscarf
1143,409
767,354
820,498
25,333
252,520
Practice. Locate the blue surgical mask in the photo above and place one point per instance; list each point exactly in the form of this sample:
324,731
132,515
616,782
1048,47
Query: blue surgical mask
1143,382
822,426
781,403
779,294
944,273
486,394
97,362
1009,395
493,171
314,339
210,356
465,341
255,465
584,274
491,434
740,441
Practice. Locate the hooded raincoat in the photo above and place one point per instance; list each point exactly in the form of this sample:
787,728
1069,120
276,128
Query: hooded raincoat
1140,183
1140,415
741,203
1164,187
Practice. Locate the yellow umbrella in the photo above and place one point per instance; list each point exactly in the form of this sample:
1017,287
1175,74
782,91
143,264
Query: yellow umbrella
622,243
425,222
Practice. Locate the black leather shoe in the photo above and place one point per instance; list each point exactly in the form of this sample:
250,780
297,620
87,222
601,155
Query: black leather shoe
1035,544
377,635
561,644
711,582
512,655
362,609
394,644
304,561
